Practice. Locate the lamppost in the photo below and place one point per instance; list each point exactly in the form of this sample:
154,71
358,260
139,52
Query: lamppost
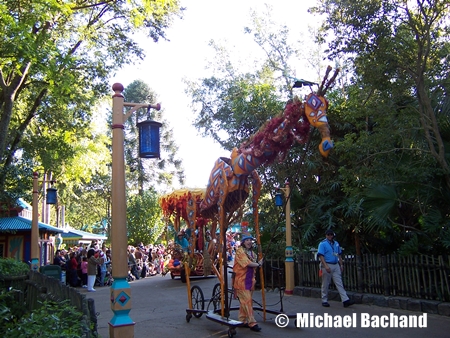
289,252
51,198
35,225
121,325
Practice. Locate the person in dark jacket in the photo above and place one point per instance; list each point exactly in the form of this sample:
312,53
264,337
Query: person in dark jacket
72,271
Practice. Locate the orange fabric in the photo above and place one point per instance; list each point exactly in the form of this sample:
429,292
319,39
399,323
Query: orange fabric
245,277
246,307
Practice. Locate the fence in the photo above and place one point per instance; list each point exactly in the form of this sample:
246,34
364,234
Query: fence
418,276
37,287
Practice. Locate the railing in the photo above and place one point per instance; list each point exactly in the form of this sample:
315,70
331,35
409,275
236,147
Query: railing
418,276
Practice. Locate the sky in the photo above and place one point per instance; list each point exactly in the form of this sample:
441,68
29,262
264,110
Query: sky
185,56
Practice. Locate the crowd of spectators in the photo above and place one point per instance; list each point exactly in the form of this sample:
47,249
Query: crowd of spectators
90,265
146,260
85,265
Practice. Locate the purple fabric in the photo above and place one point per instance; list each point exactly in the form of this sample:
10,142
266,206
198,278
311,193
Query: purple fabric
249,279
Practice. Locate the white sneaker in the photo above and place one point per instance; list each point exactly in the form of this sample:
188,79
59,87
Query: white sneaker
84,286
93,290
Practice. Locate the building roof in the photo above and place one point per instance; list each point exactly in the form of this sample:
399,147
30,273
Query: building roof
23,224
73,234
21,203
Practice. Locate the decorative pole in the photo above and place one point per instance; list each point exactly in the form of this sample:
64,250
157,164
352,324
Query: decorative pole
35,225
289,252
121,325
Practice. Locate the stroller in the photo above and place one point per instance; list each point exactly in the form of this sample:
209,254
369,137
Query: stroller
108,277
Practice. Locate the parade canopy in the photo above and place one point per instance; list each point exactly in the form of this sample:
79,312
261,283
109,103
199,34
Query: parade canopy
176,202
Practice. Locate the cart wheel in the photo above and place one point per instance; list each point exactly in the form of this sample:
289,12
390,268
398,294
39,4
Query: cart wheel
198,301
188,317
231,332
216,297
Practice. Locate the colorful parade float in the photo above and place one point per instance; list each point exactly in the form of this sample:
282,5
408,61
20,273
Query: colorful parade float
191,253
234,179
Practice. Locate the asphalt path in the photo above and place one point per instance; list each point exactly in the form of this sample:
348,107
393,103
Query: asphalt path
159,310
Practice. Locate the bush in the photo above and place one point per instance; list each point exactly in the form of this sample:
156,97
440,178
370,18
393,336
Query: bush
12,267
51,319
10,310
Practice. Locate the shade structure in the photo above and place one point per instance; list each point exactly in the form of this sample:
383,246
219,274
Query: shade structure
149,139
52,196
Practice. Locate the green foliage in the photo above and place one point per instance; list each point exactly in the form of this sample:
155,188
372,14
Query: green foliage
51,319
237,106
385,186
389,125
144,218
55,62
11,311
12,267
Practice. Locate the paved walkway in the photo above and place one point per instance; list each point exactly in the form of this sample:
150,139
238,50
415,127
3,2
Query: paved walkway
159,310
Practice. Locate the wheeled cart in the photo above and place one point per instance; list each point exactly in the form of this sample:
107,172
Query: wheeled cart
213,309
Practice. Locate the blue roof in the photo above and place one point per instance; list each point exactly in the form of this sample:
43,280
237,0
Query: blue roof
21,203
23,224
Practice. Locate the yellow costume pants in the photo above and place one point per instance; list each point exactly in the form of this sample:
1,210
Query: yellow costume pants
246,307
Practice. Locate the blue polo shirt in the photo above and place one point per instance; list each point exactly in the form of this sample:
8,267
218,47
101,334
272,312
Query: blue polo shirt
330,250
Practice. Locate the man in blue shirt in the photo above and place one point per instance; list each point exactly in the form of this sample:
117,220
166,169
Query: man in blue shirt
329,253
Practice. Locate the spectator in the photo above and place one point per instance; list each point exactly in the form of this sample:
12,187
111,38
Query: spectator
93,261
57,260
72,273
84,271
132,263
103,266
93,245
155,259
138,254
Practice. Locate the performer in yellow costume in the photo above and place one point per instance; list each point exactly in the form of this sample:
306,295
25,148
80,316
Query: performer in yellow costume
245,264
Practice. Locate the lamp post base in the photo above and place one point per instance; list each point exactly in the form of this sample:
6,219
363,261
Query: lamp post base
121,325
121,331
290,283
34,264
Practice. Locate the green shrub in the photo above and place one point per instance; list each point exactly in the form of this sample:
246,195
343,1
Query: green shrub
12,267
51,319
10,310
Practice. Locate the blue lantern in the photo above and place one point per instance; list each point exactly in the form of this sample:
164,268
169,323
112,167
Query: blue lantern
279,199
149,139
52,196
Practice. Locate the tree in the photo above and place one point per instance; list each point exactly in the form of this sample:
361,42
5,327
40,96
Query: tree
399,44
144,221
55,60
393,120
145,173
384,187
232,106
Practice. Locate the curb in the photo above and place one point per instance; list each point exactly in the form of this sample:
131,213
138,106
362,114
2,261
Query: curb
401,303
